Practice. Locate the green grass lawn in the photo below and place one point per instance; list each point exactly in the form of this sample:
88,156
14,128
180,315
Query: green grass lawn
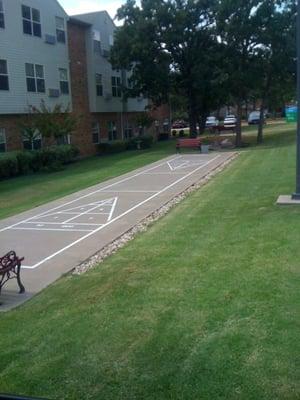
204,305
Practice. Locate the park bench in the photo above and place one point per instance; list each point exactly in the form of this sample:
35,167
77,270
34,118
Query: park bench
10,268
188,143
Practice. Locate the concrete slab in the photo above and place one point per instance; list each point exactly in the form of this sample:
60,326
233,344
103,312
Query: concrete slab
56,237
287,200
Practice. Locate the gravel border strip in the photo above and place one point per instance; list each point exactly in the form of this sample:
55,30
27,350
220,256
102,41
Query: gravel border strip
143,225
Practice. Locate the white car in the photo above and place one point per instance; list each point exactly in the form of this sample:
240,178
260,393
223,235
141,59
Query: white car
230,122
254,118
212,122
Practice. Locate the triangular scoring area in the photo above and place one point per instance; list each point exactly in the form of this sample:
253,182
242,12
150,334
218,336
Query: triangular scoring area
83,213
183,164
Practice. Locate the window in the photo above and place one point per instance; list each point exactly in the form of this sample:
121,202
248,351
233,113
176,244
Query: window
95,132
62,140
2,140
112,131
99,86
63,81
35,78
4,85
2,22
116,86
31,21
97,42
128,133
32,142
111,40
60,30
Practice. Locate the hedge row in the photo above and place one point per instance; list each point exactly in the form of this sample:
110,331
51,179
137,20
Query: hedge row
143,142
24,162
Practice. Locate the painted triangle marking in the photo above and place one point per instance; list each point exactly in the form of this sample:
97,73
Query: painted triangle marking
102,207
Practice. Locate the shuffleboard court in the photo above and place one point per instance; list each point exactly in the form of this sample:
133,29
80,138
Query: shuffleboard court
56,237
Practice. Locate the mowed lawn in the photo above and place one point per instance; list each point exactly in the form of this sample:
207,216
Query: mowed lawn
204,305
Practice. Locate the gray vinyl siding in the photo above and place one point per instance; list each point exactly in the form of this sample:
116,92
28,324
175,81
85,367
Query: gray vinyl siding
18,48
97,64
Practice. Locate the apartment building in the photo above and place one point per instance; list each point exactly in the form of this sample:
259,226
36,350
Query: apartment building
47,55
34,63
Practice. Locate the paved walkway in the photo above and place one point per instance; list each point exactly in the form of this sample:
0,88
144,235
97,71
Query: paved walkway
56,237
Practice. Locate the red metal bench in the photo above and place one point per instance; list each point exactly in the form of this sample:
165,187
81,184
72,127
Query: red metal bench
188,143
10,268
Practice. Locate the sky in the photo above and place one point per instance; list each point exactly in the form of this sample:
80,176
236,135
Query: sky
84,6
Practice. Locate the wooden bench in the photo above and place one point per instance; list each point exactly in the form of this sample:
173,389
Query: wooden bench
188,143
10,268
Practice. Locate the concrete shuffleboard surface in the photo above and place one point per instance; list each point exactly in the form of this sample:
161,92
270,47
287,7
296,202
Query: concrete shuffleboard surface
56,237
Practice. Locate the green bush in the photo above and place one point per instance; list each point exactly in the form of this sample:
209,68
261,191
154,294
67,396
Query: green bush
145,142
8,165
112,147
66,154
48,159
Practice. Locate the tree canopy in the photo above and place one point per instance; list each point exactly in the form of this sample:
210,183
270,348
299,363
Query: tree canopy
209,52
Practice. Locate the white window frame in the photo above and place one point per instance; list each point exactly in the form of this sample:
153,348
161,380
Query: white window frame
6,75
112,131
32,22
3,135
64,81
97,42
59,29
96,131
3,14
37,137
99,84
35,77
116,88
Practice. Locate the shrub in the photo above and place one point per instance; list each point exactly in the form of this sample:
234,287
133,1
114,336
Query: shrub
147,141
8,165
66,154
142,142
54,157
112,147
48,159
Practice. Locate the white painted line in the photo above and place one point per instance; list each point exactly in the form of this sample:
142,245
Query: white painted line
57,223
50,229
122,215
170,166
165,173
131,191
86,195
112,209
100,204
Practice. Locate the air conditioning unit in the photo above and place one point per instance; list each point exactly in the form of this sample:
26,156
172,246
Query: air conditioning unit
50,39
54,93
107,96
105,53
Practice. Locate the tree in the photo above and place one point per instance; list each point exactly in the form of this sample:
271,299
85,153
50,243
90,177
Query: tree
237,27
46,122
166,44
276,67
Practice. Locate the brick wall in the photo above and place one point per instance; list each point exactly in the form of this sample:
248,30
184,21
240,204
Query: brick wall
12,131
82,137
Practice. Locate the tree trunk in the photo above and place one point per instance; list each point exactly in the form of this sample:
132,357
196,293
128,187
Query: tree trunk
238,138
202,122
260,137
192,118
